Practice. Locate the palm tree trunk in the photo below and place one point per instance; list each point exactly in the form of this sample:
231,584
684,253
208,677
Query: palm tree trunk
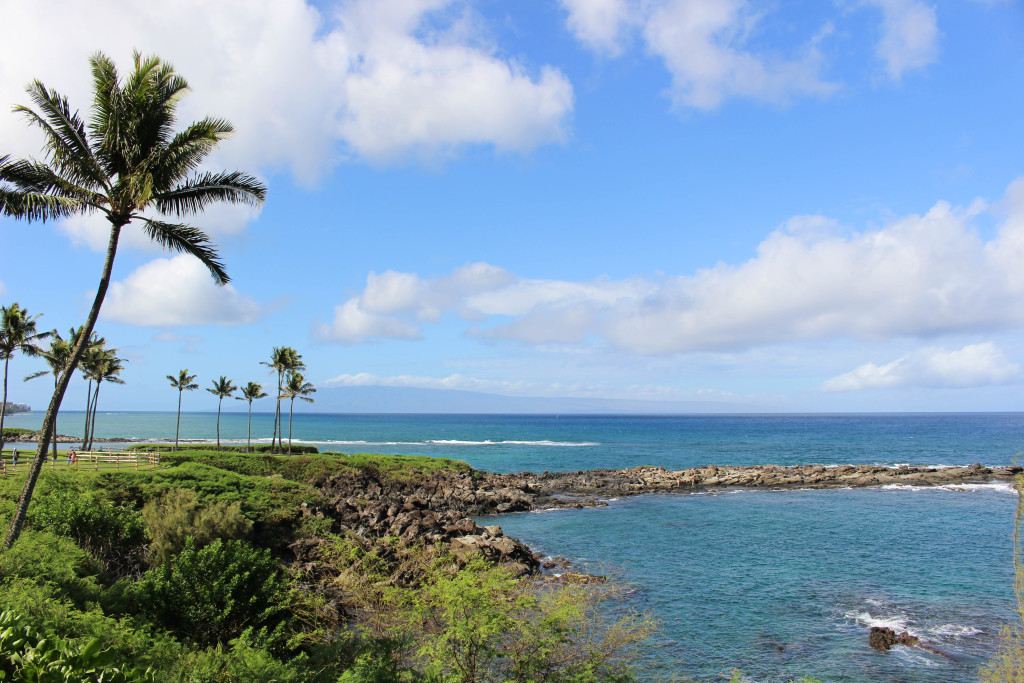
88,414
277,413
3,405
49,420
218,422
177,427
55,432
92,422
248,444
291,409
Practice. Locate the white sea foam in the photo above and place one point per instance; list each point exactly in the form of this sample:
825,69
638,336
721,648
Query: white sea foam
955,631
489,442
993,487
896,622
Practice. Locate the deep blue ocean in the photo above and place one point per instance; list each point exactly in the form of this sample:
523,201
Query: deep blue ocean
777,584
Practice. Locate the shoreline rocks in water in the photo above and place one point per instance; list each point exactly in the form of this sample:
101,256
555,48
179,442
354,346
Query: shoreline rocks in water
33,437
437,508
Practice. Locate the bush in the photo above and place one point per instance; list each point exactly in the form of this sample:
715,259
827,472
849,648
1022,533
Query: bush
44,558
212,595
178,515
480,624
238,662
113,534
28,655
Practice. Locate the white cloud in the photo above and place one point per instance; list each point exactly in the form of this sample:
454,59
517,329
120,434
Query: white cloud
599,23
378,79
705,45
918,276
910,35
353,325
176,291
365,317
461,382
972,366
454,381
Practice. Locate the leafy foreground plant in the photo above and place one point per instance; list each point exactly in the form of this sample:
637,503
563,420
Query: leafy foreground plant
212,595
476,623
28,655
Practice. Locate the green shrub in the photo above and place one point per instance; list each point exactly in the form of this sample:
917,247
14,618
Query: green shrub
45,558
213,594
238,662
112,533
28,655
178,515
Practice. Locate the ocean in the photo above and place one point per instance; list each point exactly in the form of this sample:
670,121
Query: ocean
775,584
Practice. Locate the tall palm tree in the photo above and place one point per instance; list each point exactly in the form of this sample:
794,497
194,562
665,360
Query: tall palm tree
282,359
183,382
296,387
17,333
222,388
90,362
250,392
129,164
107,369
57,357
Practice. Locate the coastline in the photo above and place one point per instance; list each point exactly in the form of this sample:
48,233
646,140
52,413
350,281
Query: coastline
439,507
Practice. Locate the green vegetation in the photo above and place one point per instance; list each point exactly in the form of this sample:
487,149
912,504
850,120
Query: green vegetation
175,574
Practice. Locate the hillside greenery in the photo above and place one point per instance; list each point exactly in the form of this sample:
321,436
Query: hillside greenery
180,573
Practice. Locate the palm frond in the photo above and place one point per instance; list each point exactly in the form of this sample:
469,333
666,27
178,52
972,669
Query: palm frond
189,240
183,154
197,193
33,206
67,145
32,176
108,122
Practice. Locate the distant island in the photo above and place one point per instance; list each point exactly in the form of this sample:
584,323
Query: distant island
11,408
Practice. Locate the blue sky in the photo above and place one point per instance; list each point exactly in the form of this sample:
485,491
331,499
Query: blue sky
794,206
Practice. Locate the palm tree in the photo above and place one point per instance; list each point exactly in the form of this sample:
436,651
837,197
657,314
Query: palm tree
90,366
57,357
183,382
129,164
17,333
296,387
222,388
250,392
282,359
108,367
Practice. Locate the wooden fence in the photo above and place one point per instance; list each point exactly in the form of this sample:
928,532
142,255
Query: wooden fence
92,460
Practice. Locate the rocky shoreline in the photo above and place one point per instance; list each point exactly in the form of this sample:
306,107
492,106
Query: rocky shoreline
33,437
437,509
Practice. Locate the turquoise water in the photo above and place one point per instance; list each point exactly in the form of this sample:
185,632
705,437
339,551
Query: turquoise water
779,584
506,443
